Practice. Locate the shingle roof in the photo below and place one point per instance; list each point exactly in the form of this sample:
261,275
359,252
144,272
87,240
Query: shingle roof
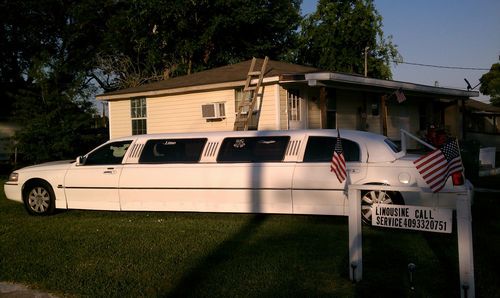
482,107
228,73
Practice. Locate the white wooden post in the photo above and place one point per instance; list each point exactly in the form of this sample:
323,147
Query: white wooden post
465,250
464,234
355,238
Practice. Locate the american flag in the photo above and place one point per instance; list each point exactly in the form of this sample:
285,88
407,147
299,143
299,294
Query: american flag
438,165
400,96
338,161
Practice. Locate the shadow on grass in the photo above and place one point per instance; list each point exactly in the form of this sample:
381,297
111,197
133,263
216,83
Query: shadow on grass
445,250
215,259
486,237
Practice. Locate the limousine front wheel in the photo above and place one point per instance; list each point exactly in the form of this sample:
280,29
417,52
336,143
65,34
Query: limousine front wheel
376,197
39,198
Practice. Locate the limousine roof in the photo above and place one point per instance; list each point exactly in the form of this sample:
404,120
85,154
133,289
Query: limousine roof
374,148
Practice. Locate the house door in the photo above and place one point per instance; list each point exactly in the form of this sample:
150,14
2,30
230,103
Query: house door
297,110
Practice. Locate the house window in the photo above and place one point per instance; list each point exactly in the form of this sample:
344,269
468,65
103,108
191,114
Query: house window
238,98
331,111
138,115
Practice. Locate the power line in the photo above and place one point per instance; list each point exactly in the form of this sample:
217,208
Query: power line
440,66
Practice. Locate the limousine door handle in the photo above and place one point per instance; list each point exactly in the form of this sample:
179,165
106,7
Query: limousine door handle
109,171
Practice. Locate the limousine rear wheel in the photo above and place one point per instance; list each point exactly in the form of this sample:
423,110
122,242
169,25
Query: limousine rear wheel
368,198
39,198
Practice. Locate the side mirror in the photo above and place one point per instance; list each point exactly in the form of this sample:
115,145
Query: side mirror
80,160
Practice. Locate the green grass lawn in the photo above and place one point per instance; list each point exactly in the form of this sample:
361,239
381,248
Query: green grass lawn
89,253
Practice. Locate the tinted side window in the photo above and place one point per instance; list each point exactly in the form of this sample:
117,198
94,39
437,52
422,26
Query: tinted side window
109,154
172,151
253,149
320,149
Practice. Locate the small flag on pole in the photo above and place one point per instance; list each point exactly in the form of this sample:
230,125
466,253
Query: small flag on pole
400,96
338,161
440,164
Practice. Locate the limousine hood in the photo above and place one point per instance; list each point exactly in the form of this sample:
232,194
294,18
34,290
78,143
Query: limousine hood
53,165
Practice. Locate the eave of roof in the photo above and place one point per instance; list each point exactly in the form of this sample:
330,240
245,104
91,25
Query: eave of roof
221,77
333,79
231,76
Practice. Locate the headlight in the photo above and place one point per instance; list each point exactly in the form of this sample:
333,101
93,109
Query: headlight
13,177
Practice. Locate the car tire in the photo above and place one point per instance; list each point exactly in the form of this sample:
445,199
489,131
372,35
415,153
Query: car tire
370,197
39,198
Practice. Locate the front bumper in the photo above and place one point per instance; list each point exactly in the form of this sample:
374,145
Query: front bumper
13,191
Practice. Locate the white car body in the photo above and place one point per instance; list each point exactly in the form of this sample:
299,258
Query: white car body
292,185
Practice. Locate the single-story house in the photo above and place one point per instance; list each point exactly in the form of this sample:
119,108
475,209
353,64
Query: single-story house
483,123
293,97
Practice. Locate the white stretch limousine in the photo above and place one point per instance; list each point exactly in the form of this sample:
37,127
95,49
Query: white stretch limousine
250,171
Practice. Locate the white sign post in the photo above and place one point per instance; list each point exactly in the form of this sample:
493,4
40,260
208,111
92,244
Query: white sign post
432,219
465,251
355,241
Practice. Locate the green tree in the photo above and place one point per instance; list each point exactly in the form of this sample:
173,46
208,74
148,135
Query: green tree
490,84
54,51
158,39
54,125
49,47
336,35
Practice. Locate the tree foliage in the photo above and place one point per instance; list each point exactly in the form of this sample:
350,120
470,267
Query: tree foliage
490,84
58,128
56,53
48,49
335,36
158,39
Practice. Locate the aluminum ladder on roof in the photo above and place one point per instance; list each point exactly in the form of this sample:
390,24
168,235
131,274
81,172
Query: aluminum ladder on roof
251,92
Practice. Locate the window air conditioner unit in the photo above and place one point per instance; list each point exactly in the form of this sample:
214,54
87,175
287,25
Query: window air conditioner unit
213,110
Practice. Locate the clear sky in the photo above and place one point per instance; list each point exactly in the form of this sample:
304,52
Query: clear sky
441,32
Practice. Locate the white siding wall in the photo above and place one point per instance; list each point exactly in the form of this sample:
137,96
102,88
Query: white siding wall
313,109
453,120
182,112
373,122
267,120
283,108
120,122
347,108
401,115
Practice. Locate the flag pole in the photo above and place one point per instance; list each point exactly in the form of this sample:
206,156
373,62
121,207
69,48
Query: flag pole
461,160
347,180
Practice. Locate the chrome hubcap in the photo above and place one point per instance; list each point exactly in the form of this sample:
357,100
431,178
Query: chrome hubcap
370,198
39,199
